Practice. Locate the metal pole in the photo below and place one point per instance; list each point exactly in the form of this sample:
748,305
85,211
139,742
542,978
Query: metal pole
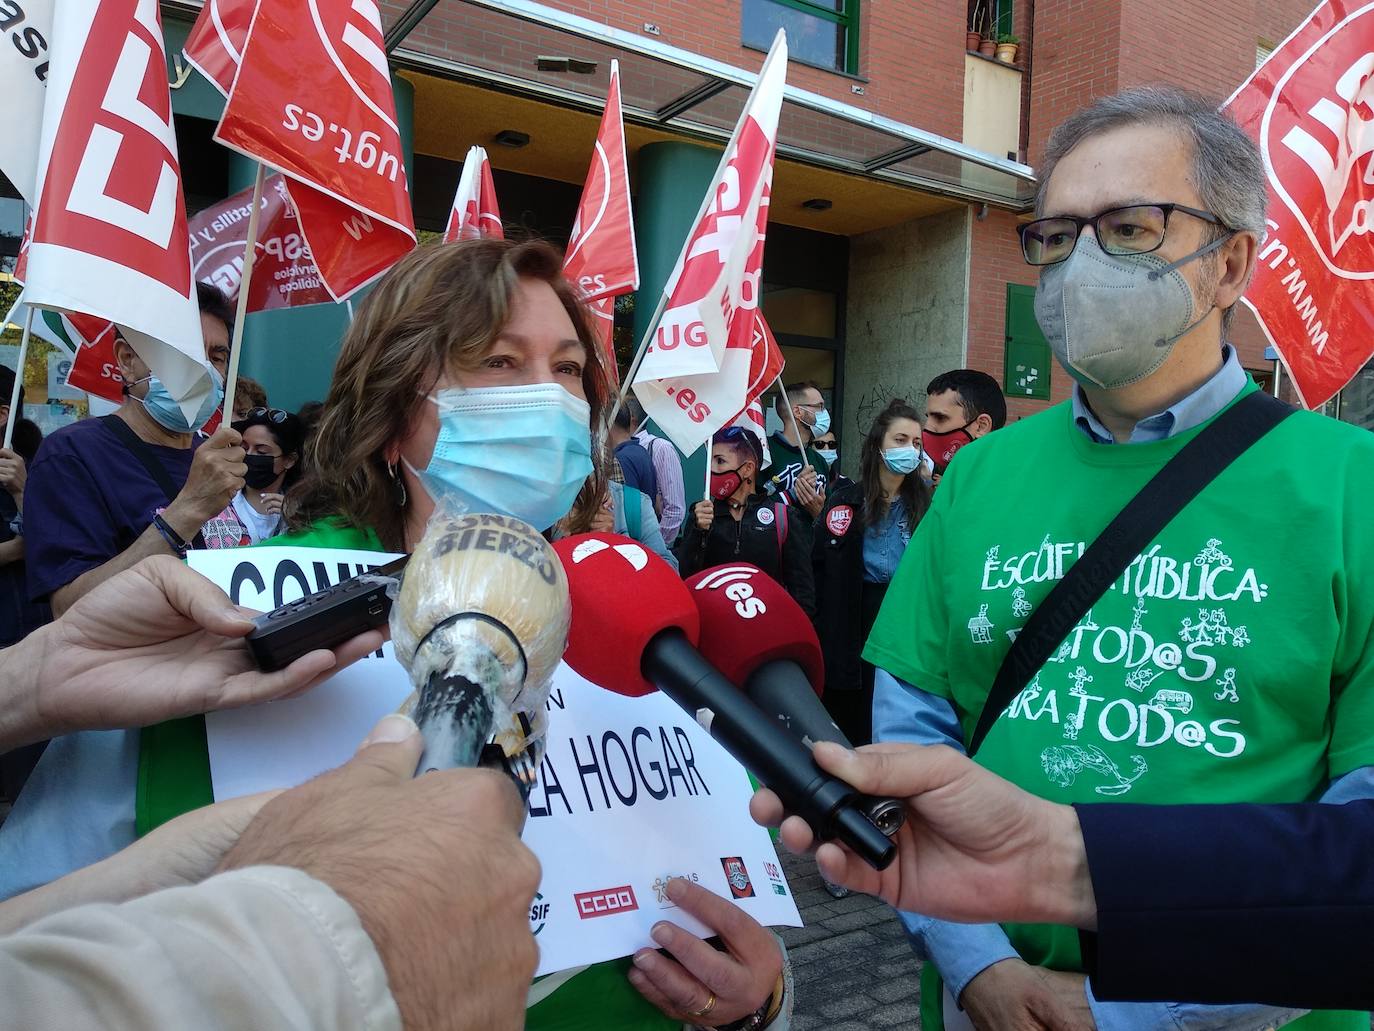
250,247
707,495
19,379
1278,376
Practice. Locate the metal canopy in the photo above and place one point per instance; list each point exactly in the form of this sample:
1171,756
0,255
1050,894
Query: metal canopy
496,43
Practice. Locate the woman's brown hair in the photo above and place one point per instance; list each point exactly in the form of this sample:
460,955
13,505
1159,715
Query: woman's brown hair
439,309
914,491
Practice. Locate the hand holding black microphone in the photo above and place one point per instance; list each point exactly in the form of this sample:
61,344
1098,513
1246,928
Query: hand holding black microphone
635,627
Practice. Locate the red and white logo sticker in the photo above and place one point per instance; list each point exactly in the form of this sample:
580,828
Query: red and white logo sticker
838,519
605,902
766,516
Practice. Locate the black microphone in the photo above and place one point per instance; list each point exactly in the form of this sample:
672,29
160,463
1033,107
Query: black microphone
757,635
634,626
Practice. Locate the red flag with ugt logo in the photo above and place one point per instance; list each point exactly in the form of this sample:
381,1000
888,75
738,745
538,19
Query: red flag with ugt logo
312,97
1310,107
711,353
109,236
601,259
475,212
214,46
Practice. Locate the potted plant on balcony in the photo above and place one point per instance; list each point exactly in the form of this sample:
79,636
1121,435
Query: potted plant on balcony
1007,47
987,46
975,33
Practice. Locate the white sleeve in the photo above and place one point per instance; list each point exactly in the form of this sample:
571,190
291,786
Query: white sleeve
264,947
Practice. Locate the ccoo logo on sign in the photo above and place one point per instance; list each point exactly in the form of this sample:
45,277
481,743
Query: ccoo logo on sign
605,902
1318,133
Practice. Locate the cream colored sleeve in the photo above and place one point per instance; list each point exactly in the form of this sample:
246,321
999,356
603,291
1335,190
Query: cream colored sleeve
264,947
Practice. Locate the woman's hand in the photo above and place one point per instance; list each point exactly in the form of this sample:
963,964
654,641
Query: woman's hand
696,983
705,513
271,503
13,473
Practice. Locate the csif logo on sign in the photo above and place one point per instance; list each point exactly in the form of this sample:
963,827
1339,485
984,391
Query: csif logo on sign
734,581
539,914
605,902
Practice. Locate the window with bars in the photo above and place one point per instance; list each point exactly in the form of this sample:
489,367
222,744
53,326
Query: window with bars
824,33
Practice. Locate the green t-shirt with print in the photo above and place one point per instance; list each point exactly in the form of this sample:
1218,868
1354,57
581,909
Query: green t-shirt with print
1233,662
787,464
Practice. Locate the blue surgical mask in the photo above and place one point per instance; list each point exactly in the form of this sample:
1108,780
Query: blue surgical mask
829,454
902,460
165,411
821,426
521,451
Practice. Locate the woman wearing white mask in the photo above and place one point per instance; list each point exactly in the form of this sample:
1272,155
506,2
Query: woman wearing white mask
471,377
860,537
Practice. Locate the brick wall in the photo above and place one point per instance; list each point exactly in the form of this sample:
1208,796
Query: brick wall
911,53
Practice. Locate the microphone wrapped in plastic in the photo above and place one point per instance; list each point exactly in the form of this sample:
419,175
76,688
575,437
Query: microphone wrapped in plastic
757,635
635,629
480,622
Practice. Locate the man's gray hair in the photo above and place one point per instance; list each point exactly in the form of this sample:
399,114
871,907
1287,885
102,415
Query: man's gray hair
1228,171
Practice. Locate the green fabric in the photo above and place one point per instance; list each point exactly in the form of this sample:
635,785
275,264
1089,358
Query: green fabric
594,999
1234,662
783,454
630,498
173,758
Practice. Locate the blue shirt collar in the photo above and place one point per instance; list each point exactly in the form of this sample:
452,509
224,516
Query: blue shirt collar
1193,410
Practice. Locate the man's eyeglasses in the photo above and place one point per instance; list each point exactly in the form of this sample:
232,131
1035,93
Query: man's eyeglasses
273,415
1136,229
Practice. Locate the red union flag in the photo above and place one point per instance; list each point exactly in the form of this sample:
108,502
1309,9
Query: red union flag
109,237
711,353
601,259
94,369
284,273
215,44
475,213
1310,107
312,97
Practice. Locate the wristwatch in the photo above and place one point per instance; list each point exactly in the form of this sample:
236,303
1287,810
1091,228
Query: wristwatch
761,1017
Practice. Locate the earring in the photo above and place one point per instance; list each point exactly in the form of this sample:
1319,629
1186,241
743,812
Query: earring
398,481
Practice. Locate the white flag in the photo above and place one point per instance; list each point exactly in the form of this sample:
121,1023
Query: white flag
23,78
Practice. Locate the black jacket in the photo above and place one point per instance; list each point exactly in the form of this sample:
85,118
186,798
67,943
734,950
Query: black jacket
838,567
757,539
1192,900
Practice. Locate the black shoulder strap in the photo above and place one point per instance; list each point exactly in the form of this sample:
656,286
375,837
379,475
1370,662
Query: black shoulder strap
148,460
1169,491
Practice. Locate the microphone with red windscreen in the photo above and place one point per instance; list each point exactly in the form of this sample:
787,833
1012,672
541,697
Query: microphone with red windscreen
634,628
757,635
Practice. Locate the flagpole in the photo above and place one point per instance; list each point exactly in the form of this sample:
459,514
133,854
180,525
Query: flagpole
250,252
796,430
348,303
18,378
707,496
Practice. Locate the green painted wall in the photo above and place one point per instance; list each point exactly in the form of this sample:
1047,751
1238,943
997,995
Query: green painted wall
671,181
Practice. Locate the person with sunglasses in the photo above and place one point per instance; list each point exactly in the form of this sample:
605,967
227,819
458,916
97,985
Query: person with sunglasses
796,469
1233,661
272,440
738,524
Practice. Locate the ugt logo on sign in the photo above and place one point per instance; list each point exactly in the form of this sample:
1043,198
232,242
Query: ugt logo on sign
1319,125
606,902
113,187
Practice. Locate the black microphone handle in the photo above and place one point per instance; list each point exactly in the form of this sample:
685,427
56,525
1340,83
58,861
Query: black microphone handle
781,689
830,806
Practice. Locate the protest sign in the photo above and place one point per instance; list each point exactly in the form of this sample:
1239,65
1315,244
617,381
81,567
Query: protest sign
284,273
631,790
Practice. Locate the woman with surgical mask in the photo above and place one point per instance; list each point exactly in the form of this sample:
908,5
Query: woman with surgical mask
272,441
860,537
738,524
828,447
471,378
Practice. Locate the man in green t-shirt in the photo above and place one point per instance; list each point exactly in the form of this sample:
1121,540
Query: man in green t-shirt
1234,661
796,469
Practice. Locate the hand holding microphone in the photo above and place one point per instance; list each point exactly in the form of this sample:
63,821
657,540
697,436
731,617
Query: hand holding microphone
635,627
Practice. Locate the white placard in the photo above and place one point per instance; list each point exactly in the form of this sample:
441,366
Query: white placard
632,791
